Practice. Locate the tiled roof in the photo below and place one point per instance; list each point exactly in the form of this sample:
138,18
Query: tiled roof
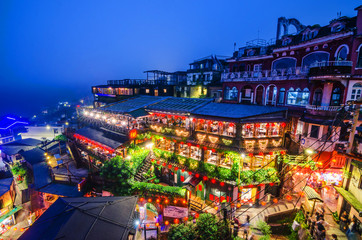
180,105
33,156
5,185
236,111
86,218
132,104
111,140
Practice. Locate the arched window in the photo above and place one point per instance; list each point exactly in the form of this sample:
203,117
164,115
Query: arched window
341,54
359,58
281,96
356,91
284,63
233,94
227,93
317,97
271,95
298,97
316,57
336,97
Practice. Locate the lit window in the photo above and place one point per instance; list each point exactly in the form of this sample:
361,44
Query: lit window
314,131
248,130
297,97
281,96
356,91
261,130
147,90
341,55
164,90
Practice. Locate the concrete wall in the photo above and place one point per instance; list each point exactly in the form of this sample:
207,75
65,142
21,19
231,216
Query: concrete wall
42,131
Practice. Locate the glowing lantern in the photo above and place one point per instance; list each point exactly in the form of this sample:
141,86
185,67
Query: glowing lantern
201,120
196,215
176,221
182,143
141,199
157,224
174,141
166,201
158,162
275,200
175,201
263,203
189,144
289,198
21,229
166,223
133,134
184,201
194,120
186,218
158,200
261,154
238,205
248,126
220,123
222,184
147,225
176,168
183,118
152,160
183,170
250,154
164,164
271,184
257,125
216,208
213,150
169,166
189,173
282,152
213,181
204,178
198,145
197,175
15,228
271,153
150,200
169,116
267,125
283,124
205,148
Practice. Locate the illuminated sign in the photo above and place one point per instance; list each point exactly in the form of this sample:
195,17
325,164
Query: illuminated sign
133,134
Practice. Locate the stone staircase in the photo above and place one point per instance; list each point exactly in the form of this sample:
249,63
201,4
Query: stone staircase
144,168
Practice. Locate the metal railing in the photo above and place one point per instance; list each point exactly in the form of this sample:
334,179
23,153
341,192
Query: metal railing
276,74
332,64
323,108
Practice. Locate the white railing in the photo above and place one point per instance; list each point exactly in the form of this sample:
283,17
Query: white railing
323,108
276,74
332,64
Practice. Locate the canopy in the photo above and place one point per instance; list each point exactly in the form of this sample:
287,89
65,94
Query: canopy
312,194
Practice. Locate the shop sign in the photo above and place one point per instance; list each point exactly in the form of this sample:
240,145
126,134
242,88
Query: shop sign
133,134
175,212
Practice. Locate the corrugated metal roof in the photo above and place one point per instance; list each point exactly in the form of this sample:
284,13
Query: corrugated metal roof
238,111
86,218
132,104
109,139
179,105
312,194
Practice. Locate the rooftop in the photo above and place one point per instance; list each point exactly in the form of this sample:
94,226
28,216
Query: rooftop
132,104
5,185
86,218
176,104
34,156
236,111
110,139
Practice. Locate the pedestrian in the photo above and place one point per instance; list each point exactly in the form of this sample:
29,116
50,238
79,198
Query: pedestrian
334,237
343,221
352,232
245,233
236,227
320,229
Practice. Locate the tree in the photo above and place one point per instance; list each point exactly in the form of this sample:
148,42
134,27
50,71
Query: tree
181,231
117,173
60,138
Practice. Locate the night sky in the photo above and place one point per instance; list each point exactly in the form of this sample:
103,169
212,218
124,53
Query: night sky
56,49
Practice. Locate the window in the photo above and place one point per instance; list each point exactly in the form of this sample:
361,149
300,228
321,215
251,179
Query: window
284,63
314,131
286,41
337,27
356,91
281,96
147,90
261,130
359,58
233,94
316,57
164,90
257,67
227,93
248,130
297,97
336,97
341,54
317,97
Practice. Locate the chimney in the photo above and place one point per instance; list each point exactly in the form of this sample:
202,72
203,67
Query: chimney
359,20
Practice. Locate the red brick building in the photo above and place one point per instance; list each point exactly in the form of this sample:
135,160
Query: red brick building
313,72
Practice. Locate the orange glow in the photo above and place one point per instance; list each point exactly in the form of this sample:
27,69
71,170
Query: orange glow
263,203
184,201
133,134
157,224
175,201
158,200
141,199
238,205
166,223
150,200
147,225
21,229
166,201
275,200
176,221
288,197
216,208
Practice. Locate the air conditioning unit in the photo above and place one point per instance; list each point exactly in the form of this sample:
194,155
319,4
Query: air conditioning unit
340,147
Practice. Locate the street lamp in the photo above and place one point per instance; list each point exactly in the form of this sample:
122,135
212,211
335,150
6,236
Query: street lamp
309,151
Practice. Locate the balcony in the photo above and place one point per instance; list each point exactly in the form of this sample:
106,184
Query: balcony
328,111
266,75
331,68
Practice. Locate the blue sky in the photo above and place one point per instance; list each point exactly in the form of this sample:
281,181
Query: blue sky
52,50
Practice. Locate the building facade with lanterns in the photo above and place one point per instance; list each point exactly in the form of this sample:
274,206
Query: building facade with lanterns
313,72
208,146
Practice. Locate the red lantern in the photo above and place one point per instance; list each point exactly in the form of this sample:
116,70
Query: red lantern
267,125
271,153
157,224
197,175
222,184
194,120
189,144
257,125
190,173
169,116
196,215
164,164
163,115
261,154
213,150
166,201
220,123
205,148
152,160
198,145
271,184
248,126
273,124
231,124
169,166
174,141
149,200
176,221
183,118
213,181
238,205
167,222
275,200
209,122
158,200
288,197
250,154
176,168
282,152
201,121
283,124
181,143
263,203
158,162
183,170
141,199
204,178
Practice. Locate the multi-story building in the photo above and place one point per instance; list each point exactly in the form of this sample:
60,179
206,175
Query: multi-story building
313,72
205,143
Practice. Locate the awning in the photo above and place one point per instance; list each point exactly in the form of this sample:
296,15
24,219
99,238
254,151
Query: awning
12,211
312,194
138,113
192,180
108,139
350,198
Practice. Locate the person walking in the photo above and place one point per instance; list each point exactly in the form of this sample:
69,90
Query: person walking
352,232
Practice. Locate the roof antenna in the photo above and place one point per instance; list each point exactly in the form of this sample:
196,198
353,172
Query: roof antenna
234,46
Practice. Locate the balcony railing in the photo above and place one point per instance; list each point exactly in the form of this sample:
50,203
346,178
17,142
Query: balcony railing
323,108
331,68
266,75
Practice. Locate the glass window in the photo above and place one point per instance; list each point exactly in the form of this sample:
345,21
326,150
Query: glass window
233,94
261,129
298,97
314,131
356,91
274,129
317,98
342,54
284,63
336,97
281,95
316,57
227,93
248,130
